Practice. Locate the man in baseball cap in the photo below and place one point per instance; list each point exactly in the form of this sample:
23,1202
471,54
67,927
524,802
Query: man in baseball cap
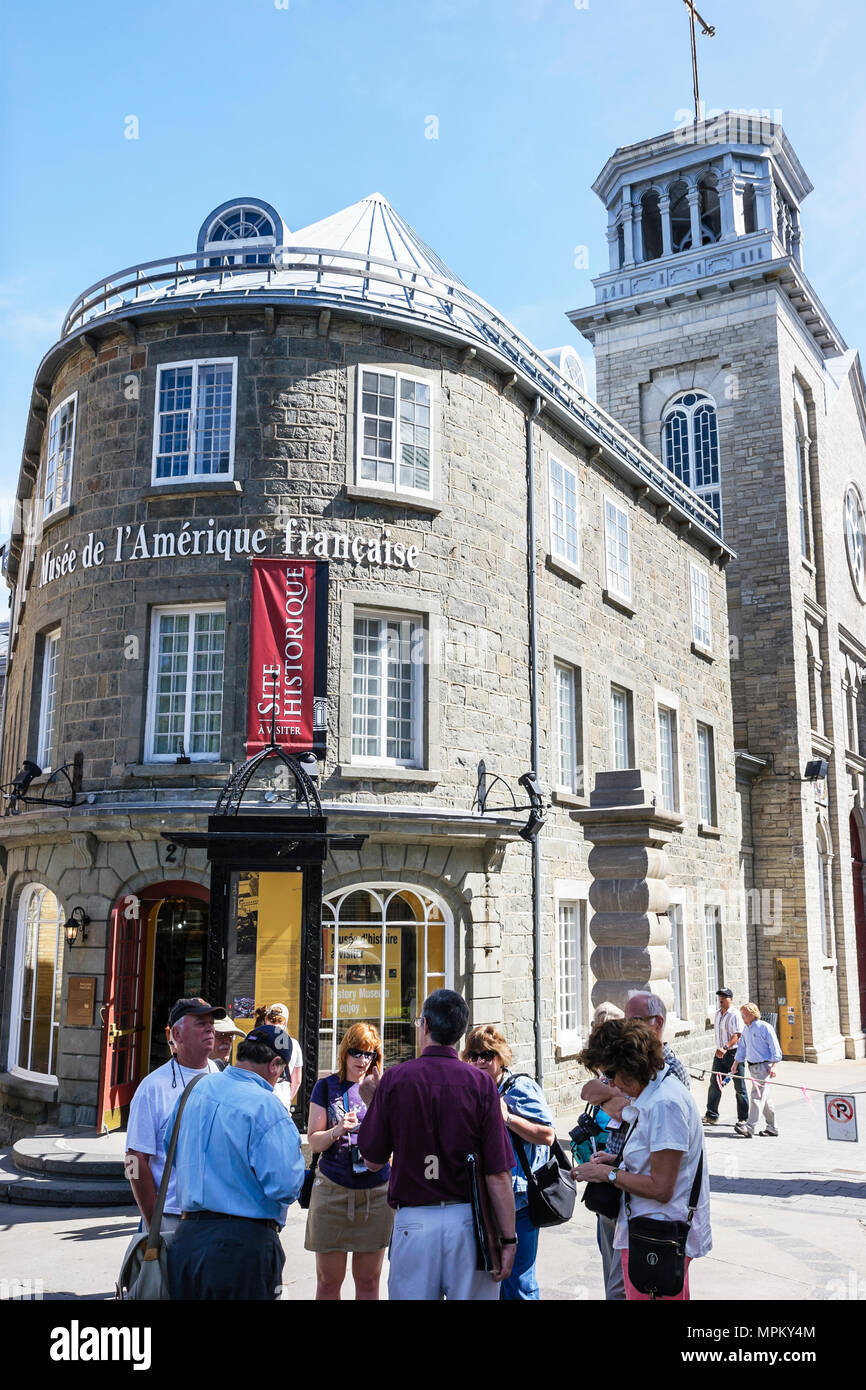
198,1007
191,1030
729,1026
225,1032
239,1166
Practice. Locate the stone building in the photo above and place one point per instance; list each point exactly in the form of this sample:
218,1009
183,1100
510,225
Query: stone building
713,348
339,394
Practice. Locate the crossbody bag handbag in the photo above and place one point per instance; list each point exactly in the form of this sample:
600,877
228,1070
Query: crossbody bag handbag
550,1188
657,1249
144,1271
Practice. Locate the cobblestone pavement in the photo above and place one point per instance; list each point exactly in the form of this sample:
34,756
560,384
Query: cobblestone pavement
788,1218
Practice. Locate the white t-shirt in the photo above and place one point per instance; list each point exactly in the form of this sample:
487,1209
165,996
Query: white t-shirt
151,1109
667,1118
283,1089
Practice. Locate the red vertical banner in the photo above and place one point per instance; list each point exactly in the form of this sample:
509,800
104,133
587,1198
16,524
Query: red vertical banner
287,694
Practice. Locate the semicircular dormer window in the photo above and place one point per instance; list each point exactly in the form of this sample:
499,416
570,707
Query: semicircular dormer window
690,444
242,235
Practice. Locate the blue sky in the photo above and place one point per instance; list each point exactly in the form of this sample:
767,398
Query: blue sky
314,105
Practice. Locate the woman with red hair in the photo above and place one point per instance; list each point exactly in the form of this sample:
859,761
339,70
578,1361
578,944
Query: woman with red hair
349,1212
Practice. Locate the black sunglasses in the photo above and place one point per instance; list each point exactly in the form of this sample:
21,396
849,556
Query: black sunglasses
486,1056
356,1052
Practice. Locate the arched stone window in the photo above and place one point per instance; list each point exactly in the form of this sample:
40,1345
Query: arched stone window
813,689
825,891
38,975
651,226
711,212
620,245
802,450
393,946
681,217
690,444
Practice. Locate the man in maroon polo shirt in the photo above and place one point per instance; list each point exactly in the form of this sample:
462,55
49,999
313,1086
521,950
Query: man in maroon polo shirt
429,1113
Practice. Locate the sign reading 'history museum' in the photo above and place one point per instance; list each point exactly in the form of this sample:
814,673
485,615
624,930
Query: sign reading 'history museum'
131,543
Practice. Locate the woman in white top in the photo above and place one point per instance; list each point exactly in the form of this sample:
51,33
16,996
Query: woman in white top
287,1089
661,1155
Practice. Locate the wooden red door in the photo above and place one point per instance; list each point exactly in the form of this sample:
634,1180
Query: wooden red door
122,1013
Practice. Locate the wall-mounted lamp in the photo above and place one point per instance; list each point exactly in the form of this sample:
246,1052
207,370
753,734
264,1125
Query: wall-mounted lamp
78,921
816,770
25,775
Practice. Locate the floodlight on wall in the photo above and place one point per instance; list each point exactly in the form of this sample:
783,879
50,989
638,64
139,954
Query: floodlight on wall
816,770
15,792
78,921
310,764
24,776
530,783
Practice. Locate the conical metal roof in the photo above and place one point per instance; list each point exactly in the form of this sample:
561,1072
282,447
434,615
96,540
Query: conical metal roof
372,227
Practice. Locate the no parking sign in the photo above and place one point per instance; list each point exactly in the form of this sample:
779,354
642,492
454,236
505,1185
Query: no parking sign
841,1115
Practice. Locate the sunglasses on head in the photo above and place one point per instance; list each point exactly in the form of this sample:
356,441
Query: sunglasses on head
486,1056
358,1053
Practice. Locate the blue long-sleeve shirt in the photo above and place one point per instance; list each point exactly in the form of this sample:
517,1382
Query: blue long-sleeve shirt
758,1043
238,1150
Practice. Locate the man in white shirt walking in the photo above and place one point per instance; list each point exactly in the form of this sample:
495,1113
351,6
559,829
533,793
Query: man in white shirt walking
729,1026
758,1046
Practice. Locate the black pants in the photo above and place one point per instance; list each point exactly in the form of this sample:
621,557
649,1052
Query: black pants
722,1066
233,1259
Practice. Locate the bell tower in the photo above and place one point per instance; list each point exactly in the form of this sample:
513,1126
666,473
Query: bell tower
714,349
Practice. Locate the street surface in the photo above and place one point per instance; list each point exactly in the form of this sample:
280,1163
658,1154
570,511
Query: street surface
788,1218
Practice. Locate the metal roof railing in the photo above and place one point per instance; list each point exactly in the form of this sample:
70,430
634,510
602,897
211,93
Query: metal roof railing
343,279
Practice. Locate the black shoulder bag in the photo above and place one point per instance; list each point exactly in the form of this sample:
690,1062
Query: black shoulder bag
550,1189
657,1249
604,1197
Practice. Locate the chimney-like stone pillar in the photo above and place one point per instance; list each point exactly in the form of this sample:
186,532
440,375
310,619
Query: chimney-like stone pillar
628,893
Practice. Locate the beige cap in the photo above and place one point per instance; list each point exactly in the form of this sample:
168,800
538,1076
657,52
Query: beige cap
227,1025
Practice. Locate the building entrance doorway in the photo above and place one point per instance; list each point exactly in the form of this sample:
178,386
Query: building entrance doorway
156,955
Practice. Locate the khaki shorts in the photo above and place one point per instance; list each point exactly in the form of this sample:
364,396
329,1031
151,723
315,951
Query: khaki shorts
347,1218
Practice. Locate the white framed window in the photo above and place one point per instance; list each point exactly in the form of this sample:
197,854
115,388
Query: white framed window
564,525
690,445
573,981
679,974
388,690
702,633
617,550
242,235
668,751
61,450
194,433
395,434
45,749
621,727
395,941
569,729
185,689
706,774
715,962
35,1018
